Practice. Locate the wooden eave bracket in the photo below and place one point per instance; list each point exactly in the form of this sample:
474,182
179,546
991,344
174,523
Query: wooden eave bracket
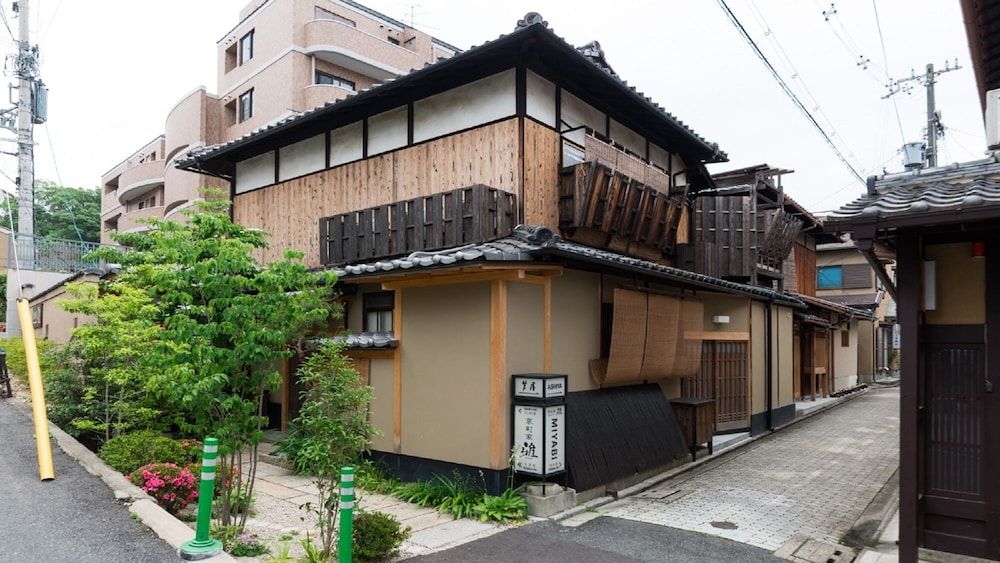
872,251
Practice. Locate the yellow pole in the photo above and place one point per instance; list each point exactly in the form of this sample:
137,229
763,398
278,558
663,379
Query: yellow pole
42,444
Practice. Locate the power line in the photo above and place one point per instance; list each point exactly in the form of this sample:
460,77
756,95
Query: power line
885,61
55,165
3,15
788,91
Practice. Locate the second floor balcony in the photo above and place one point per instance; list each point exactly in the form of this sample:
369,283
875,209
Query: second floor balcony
140,179
362,52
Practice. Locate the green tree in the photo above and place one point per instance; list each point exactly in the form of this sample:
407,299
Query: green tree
331,431
61,212
226,321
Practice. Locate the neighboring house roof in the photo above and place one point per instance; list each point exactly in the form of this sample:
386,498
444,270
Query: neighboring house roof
826,304
863,300
532,35
946,194
532,244
71,278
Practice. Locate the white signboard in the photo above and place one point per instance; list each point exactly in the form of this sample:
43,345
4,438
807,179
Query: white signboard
529,439
555,443
528,387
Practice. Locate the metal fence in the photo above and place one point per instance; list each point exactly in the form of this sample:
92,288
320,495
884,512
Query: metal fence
51,254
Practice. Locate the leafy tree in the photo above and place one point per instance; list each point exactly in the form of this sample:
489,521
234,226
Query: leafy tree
332,430
104,387
61,212
226,321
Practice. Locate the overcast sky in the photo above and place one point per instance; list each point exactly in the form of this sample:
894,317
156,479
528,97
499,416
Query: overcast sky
115,67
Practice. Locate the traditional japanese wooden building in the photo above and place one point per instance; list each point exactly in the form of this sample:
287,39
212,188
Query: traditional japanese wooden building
516,208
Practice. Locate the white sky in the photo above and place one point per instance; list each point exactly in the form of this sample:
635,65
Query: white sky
115,67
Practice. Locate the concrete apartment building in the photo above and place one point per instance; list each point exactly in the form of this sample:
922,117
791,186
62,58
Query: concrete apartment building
284,57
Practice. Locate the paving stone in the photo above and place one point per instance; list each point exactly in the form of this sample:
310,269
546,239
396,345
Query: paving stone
291,481
276,491
815,478
451,532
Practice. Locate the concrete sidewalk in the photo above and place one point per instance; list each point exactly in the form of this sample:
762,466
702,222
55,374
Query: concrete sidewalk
73,518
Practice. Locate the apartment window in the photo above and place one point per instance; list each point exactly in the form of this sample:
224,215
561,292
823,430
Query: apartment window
378,311
246,105
321,14
147,203
327,78
829,277
246,47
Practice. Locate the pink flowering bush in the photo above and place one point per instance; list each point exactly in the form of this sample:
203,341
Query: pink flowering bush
173,486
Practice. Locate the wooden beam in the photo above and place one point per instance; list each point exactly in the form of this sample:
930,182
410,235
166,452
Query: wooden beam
720,336
397,373
547,325
517,275
498,372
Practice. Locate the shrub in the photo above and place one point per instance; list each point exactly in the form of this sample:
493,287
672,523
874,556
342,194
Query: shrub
240,500
377,536
463,499
171,485
16,362
247,545
507,506
373,477
128,452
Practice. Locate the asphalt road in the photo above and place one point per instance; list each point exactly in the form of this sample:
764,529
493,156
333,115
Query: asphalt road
603,540
73,518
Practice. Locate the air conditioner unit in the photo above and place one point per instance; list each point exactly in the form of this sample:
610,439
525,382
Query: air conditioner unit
993,119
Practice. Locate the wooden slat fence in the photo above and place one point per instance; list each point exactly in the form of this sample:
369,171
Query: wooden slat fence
470,215
723,377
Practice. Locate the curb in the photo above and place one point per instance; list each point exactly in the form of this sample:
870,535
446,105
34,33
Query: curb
165,525
670,474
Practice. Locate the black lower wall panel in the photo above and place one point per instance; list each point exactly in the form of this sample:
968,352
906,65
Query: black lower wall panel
410,468
780,416
618,432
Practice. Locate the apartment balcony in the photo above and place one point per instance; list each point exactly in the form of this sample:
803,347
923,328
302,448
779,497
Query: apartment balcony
50,254
129,221
140,179
319,94
110,205
471,215
343,45
192,122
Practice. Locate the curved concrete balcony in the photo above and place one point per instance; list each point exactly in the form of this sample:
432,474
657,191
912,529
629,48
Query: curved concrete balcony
188,123
342,45
130,220
182,186
109,202
319,94
140,179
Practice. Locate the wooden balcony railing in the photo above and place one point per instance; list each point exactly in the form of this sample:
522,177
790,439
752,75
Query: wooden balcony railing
469,215
604,208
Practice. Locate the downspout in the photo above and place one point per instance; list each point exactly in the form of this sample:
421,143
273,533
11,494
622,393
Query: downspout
767,363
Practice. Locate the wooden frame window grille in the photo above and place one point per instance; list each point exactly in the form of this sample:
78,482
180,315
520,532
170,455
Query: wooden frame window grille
378,306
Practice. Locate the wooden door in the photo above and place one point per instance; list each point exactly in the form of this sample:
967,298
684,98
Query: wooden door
954,441
724,377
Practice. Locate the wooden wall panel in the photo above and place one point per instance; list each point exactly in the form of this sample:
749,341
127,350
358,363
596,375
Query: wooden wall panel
541,175
290,211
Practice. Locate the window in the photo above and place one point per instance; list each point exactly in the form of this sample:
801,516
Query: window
327,78
246,105
829,277
393,40
378,311
147,202
845,338
321,14
246,47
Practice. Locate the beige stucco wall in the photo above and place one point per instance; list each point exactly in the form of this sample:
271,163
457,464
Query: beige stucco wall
961,285
576,327
58,324
446,373
781,357
735,307
380,411
845,358
866,350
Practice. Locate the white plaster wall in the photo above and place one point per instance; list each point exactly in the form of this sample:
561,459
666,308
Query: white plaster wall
575,112
541,99
255,172
659,156
845,358
346,144
302,157
628,138
482,101
387,131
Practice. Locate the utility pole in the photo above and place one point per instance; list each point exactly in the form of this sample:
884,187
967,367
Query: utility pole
27,70
934,128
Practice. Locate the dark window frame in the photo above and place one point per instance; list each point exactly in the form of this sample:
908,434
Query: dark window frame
334,80
377,302
244,113
241,49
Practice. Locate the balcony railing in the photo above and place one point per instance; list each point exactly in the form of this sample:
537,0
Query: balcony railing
469,215
601,207
50,254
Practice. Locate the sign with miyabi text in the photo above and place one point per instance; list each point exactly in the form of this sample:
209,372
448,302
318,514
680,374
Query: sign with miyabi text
555,443
539,424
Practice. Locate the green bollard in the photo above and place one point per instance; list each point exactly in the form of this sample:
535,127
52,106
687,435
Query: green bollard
203,546
346,515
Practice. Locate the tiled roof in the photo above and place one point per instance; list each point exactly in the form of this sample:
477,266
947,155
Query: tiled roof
869,300
533,244
951,189
823,303
538,26
359,341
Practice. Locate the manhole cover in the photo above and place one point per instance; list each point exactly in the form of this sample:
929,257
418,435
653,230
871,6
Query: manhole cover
724,525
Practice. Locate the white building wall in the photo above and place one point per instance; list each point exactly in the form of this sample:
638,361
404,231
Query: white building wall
302,158
255,172
482,101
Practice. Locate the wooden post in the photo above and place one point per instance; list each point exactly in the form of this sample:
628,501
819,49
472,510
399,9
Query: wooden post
286,392
397,371
498,372
547,326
